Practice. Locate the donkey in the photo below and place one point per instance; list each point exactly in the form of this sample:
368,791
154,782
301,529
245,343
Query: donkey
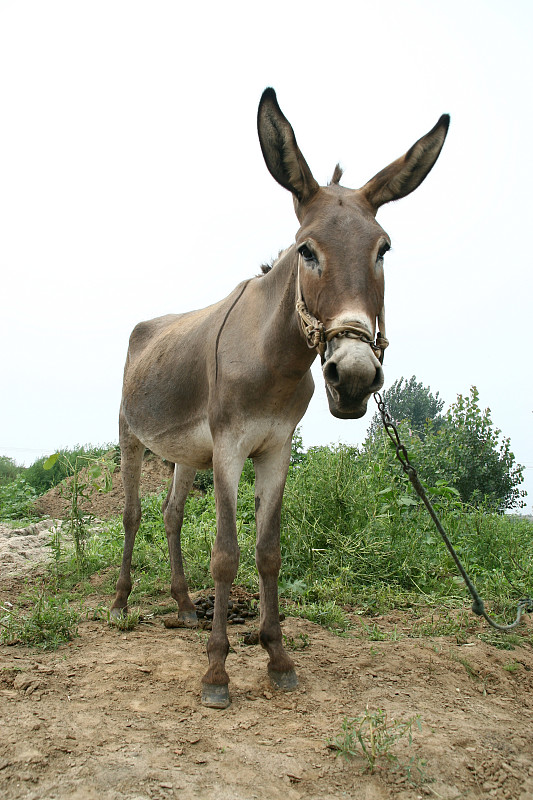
213,387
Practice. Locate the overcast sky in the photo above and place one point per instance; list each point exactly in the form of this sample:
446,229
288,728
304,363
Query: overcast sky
132,185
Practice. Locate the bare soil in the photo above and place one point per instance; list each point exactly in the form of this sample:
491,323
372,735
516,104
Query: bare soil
117,716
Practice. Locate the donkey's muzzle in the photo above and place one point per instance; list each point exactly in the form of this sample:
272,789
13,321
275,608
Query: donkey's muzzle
352,375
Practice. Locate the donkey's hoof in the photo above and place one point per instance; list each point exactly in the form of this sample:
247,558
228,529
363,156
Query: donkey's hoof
214,696
118,613
188,619
286,681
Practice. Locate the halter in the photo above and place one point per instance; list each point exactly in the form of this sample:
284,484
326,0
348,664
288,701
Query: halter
317,335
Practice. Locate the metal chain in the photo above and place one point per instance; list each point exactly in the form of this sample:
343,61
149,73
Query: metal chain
525,604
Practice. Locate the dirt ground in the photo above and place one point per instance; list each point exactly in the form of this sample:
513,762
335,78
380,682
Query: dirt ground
117,716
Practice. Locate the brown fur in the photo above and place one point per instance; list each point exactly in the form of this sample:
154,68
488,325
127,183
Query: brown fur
212,387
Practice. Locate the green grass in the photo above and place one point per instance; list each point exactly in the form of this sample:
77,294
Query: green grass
348,538
327,614
47,623
375,634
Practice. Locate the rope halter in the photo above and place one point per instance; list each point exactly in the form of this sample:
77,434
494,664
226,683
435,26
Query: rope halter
317,335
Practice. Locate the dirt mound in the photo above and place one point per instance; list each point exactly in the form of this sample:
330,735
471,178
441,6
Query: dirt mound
155,477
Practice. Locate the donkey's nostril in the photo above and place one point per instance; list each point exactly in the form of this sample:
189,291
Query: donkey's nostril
378,380
331,373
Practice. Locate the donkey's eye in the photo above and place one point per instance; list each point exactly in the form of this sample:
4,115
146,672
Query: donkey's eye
306,253
383,249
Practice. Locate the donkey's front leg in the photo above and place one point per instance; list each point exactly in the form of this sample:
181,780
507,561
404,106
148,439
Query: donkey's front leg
270,476
224,564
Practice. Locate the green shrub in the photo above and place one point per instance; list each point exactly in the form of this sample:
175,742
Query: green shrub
9,470
43,479
16,499
47,624
462,450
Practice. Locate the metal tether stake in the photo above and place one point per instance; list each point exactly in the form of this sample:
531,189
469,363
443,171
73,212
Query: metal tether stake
525,604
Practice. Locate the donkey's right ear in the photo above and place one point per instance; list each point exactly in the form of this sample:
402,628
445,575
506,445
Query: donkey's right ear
280,151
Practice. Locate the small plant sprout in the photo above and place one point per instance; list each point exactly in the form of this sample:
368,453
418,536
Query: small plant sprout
299,642
374,736
125,623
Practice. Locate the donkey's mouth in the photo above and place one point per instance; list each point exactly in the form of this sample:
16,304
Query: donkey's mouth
343,407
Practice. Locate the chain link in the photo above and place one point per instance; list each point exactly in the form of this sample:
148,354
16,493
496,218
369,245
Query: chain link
478,607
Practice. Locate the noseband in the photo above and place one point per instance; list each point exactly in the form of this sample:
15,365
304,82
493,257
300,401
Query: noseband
317,335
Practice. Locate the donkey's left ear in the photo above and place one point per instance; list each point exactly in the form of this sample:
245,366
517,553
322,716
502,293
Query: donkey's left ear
406,174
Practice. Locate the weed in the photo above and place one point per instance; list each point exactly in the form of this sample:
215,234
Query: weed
503,641
160,609
49,623
442,625
375,634
293,589
299,642
375,736
471,671
512,666
126,622
89,474
328,614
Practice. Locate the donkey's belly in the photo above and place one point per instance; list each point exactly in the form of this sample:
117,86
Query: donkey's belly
191,445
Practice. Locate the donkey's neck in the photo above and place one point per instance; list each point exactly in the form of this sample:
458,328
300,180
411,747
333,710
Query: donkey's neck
281,326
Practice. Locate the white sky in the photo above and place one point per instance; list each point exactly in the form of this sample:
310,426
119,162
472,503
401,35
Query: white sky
132,185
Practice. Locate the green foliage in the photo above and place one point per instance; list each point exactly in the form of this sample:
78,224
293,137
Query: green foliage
352,532
471,454
328,614
203,480
9,470
461,453
87,474
299,642
374,736
48,623
410,401
297,448
16,499
42,479
128,622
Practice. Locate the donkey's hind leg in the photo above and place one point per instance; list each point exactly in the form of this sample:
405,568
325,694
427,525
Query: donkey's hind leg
173,516
132,452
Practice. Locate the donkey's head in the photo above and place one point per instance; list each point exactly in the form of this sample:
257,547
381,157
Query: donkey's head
341,249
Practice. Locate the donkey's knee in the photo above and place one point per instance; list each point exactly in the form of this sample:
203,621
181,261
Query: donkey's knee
225,562
132,517
268,560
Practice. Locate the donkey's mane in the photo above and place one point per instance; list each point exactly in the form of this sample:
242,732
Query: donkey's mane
265,268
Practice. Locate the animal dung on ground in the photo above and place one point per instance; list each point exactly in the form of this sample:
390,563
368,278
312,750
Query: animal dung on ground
239,611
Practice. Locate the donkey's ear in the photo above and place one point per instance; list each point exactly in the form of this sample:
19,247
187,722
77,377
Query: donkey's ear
280,151
406,174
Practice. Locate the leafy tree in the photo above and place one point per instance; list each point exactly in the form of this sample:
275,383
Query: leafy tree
470,454
410,400
8,470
